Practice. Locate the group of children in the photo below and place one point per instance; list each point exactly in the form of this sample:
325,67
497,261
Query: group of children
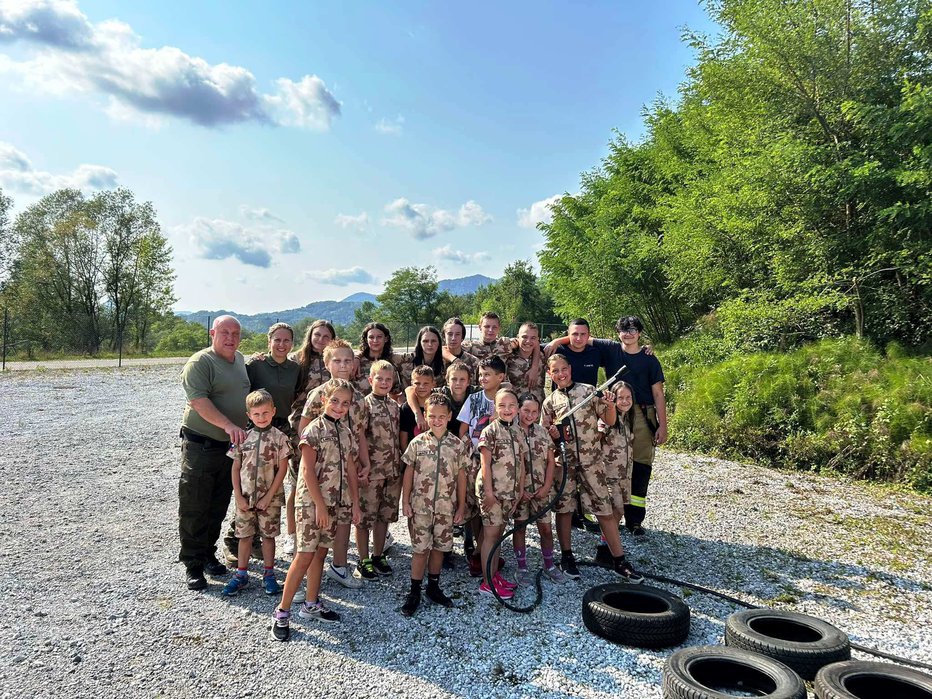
457,455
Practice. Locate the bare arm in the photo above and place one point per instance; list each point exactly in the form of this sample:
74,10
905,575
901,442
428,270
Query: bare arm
207,410
488,490
241,503
352,482
407,485
461,486
660,402
309,473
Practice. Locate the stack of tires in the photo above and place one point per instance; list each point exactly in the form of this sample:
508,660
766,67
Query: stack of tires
768,653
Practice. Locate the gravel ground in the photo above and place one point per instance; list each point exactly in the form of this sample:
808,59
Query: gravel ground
95,604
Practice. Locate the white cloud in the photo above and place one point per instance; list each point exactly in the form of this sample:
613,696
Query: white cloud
539,212
360,222
108,58
341,277
219,239
391,127
18,174
421,221
458,256
259,214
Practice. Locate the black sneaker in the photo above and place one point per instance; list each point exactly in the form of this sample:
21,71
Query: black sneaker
637,530
603,557
568,565
381,566
624,569
281,628
448,560
411,604
195,578
436,596
591,524
214,567
578,522
366,569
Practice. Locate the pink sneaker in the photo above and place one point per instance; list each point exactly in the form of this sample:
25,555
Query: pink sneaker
504,593
500,581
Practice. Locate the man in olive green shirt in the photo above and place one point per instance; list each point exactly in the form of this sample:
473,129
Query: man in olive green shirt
215,385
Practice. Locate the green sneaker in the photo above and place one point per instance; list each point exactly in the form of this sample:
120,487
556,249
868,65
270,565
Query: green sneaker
366,569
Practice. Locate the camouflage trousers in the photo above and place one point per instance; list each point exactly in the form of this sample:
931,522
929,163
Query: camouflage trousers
430,531
590,483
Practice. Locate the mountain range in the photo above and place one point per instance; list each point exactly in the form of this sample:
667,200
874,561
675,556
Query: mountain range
339,312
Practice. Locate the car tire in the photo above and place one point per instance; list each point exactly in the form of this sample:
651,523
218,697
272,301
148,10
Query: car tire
803,642
860,679
636,615
717,672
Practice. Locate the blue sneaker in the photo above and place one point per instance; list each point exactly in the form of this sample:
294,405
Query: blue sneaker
234,585
270,585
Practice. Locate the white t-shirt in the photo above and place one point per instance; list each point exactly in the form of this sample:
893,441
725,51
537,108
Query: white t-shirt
477,413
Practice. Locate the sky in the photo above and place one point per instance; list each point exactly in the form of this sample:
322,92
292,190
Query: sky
297,152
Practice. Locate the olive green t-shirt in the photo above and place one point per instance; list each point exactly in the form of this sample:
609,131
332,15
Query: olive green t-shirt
226,384
281,380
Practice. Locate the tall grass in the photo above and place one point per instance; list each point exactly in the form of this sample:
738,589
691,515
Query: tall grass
835,405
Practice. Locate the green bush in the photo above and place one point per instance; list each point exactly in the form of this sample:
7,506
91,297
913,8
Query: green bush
834,405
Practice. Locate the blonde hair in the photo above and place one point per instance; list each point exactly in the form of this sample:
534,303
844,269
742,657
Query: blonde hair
507,392
380,365
334,385
458,366
257,398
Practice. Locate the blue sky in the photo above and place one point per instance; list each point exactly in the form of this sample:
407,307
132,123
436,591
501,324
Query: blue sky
304,151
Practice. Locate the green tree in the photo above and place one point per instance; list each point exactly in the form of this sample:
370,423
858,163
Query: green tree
409,297
518,296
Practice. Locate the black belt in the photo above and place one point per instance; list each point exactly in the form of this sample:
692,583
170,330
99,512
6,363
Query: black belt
201,439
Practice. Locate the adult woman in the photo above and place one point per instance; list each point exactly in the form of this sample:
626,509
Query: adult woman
426,351
375,344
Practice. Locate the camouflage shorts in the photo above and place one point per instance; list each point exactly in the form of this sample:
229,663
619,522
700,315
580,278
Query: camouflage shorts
497,515
431,531
472,504
526,509
378,502
590,484
308,536
267,524
620,491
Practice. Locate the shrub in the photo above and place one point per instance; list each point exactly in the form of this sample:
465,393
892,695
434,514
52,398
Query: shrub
834,405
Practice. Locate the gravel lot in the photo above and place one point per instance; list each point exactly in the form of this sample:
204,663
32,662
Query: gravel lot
95,604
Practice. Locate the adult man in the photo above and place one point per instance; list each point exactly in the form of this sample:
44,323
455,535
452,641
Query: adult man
650,408
215,384
584,359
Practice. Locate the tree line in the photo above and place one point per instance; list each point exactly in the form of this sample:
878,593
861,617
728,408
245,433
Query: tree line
785,196
84,274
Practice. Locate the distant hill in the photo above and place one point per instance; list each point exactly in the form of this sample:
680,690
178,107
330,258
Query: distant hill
340,312
464,285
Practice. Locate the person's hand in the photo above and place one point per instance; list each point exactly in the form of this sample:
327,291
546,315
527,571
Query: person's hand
526,496
258,356
357,514
554,431
263,504
550,349
532,378
421,422
236,434
242,504
489,500
515,344
322,517
540,494
514,507
363,476
459,516
406,509
660,436
354,374
648,350
608,396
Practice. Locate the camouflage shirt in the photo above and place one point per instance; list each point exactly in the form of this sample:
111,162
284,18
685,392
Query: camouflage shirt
316,375
259,456
361,382
469,360
336,447
518,367
382,418
508,452
501,347
584,441
617,449
436,464
314,407
407,367
539,445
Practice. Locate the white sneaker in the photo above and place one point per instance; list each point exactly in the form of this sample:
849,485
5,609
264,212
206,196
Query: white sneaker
344,576
555,575
389,542
300,595
288,545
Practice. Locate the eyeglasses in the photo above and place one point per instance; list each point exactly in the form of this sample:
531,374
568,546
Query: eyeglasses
629,331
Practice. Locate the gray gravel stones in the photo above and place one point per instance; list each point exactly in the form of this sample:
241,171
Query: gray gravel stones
94,605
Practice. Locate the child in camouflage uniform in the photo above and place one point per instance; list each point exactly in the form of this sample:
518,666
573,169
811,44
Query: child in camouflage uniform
539,489
378,494
617,450
585,470
433,498
260,463
500,483
490,345
328,494
526,367
339,359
